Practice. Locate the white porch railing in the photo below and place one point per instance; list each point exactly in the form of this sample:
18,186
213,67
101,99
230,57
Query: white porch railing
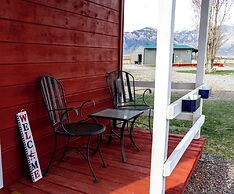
174,111
178,152
184,86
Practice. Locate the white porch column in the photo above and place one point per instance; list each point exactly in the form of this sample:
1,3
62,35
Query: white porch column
166,15
202,48
202,42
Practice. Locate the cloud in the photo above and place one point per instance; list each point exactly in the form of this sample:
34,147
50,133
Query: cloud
140,14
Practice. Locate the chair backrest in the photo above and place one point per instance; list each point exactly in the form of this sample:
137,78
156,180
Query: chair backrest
54,99
122,87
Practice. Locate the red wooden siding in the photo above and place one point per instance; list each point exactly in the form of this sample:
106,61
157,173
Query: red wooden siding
76,41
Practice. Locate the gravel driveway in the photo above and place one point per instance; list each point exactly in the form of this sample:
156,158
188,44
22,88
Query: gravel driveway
222,86
212,175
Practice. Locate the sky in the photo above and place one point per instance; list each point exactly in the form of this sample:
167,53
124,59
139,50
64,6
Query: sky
142,13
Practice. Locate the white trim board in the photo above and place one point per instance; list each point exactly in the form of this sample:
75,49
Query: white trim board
178,152
175,108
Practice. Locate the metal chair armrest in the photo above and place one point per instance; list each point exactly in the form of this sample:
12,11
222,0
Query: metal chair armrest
82,106
144,93
63,115
148,90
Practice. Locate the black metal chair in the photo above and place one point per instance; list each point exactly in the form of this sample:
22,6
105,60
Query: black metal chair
123,93
55,103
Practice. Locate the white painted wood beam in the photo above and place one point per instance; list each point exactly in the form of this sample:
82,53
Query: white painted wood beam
202,48
163,70
202,42
175,108
178,152
185,116
174,85
185,86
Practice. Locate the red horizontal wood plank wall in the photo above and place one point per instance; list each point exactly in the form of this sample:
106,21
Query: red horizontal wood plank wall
76,41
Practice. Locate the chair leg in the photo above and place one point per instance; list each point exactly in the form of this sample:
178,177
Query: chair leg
131,136
95,180
99,151
97,145
122,142
52,156
111,132
65,150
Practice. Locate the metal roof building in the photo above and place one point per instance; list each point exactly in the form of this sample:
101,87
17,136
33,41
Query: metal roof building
182,54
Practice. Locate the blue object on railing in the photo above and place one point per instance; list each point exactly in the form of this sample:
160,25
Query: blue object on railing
205,93
191,104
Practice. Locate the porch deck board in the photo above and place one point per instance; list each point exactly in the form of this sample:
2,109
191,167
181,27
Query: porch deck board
73,175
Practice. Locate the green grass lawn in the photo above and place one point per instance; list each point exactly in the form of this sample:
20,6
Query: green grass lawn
217,72
218,128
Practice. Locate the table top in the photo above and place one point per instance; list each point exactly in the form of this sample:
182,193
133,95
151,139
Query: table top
118,114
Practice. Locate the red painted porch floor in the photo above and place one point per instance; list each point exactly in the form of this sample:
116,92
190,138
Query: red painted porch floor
73,175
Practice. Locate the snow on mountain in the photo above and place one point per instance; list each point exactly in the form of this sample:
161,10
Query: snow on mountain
148,36
186,37
133,40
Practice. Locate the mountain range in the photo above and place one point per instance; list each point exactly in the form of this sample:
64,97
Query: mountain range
148,36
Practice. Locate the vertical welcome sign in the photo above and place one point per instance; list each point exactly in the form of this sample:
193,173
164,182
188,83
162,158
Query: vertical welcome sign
29,146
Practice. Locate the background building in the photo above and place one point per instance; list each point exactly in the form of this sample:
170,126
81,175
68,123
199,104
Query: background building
182,54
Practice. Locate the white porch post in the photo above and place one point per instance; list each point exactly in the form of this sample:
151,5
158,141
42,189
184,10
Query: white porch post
202,42
202,48
166,15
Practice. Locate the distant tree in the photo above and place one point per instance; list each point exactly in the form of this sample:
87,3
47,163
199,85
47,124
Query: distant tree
219,13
